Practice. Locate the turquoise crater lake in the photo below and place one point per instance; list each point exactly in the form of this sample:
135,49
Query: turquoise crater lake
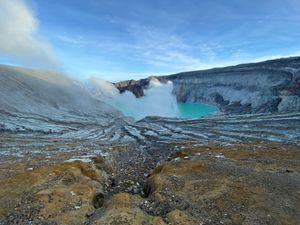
158,100
195,110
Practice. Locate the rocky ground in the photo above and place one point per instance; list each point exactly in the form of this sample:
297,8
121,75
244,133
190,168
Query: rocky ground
69,158
190,183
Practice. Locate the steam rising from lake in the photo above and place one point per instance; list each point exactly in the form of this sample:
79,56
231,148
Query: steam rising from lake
158,99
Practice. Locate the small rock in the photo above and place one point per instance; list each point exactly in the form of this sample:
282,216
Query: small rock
90,213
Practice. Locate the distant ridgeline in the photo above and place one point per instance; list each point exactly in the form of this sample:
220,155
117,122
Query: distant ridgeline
45,104
264,87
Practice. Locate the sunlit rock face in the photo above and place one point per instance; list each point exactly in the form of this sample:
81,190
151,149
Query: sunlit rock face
226,185
271,86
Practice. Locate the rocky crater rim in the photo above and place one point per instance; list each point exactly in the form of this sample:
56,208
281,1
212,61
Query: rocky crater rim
264,87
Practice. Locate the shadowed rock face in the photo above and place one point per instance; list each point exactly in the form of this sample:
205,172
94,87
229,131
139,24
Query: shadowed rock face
136,87
271,86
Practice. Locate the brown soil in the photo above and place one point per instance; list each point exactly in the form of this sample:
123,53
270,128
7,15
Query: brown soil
242,183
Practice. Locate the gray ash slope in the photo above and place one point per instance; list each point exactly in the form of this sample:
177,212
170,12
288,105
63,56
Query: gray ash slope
35,101
264,87
43,104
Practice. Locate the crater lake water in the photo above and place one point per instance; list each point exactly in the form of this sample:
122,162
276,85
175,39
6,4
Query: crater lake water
158,100
195,110
140,109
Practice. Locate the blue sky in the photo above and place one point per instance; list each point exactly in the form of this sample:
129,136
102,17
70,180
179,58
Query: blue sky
116,40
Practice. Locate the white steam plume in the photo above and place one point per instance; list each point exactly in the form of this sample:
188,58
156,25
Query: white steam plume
18,35
158,99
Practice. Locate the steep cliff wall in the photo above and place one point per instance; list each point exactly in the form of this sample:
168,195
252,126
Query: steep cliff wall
270,86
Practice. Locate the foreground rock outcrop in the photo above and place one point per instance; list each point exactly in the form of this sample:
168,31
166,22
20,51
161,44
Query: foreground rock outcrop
209,184
270,86
228,185
58,194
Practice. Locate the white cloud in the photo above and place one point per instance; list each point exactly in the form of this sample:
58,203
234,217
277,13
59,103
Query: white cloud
18,35
169,52
77,41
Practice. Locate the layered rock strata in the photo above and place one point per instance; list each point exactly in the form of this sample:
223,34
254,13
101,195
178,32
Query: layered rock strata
265,87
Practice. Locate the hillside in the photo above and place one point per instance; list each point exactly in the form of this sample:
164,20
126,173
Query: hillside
47,102
264,87
69,158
